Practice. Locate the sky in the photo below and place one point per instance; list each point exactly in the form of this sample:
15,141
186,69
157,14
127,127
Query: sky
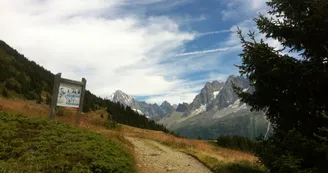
154,50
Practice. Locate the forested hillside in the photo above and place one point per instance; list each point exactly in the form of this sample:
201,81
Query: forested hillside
126,115
21,76
25,79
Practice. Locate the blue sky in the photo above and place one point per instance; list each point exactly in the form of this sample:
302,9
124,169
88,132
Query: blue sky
155,50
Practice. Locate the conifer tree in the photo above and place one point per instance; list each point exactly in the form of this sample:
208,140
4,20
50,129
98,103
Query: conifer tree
5,92
291,90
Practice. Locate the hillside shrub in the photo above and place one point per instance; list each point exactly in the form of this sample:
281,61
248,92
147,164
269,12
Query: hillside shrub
31,144
60,111
110,124
48,99
39,100
12,84
237,142
31,95
5,92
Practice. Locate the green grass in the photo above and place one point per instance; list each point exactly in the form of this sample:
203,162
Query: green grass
31,144
223,166
237,167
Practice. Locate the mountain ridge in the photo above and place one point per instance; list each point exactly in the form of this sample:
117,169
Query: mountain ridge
215,110
148,109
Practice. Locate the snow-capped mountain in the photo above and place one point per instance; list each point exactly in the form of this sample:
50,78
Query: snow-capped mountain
120,96
150,110
217,109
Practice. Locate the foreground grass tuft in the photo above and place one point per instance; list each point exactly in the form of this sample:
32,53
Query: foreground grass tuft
31,144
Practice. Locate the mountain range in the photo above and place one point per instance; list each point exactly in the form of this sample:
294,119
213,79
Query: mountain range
150,110
215,110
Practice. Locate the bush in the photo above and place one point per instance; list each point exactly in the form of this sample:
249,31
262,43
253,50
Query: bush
12,84
237,142
36,145
5,92
39,100
110,124
60,111
31,95
48,99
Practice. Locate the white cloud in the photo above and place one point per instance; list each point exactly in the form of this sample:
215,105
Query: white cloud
72,37
241,9
182,97
213,32
113,50
203,51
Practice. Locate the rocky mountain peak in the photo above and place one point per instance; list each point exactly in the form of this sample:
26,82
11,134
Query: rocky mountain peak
238,80
165,103
182,107
205,96
167,107
227,95
123,98
141,106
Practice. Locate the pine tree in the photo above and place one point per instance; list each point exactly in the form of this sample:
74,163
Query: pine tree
5,92
292,91
39,100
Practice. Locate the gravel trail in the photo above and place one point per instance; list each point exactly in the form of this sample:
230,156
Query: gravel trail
153,157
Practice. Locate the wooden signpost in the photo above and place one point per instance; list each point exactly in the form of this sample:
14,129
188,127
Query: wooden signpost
67,93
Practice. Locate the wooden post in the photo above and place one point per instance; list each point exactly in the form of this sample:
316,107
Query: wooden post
84,81
54,96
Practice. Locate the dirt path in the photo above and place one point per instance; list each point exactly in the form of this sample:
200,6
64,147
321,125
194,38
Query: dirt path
153,157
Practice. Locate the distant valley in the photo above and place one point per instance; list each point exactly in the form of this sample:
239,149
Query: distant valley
215,110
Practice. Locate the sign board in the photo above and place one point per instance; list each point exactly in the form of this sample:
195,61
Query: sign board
69,95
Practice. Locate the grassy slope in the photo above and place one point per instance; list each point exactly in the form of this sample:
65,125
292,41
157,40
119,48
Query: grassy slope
219,159
31,144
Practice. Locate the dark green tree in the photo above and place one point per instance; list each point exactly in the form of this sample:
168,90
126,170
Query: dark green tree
5,92
48,99
324,138
39,100
291,90
125,115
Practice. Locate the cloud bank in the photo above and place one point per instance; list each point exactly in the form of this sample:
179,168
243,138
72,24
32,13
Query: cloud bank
115,48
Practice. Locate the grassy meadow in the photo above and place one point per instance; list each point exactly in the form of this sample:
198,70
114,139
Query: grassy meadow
218,159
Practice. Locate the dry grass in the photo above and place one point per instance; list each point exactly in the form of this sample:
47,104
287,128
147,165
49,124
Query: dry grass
211,155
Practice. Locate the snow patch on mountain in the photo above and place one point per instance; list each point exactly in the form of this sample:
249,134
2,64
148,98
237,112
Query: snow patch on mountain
232,108
201,109
138,111
216,93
